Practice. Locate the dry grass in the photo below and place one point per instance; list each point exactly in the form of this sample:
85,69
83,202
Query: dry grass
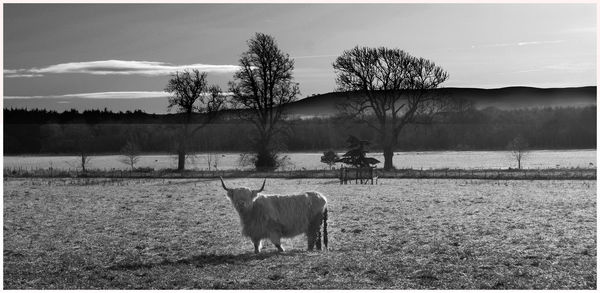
403,234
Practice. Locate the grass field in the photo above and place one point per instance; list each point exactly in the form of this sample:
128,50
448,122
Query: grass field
402,234
536,159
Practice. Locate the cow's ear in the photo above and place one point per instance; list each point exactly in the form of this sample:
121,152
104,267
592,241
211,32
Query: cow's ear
254,194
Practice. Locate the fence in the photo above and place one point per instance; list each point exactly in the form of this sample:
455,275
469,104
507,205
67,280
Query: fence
374,174
358,174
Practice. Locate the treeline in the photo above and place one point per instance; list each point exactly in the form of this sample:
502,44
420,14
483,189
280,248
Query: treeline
489,129
48,132
44,116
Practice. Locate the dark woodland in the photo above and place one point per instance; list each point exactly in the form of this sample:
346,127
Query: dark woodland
49,132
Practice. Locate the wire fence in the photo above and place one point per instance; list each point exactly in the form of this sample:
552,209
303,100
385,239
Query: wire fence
509,174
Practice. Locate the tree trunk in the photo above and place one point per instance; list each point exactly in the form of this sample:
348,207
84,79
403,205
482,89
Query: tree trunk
388,155
388,140
83,162
182,145
265,158
180,160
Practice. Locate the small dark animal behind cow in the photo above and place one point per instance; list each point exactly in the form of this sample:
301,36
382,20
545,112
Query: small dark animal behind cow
274,217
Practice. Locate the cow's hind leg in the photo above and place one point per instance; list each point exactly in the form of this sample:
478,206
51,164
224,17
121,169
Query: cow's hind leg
257,245
311,238
312,235
276,239
318,241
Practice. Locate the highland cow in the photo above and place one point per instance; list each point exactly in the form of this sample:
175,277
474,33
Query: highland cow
280,216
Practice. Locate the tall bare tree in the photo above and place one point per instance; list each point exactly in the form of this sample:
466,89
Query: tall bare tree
518,150
388,89
192,95
131,153
262,86
83,143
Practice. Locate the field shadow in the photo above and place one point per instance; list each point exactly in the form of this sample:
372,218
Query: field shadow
202,260
334,182
184,181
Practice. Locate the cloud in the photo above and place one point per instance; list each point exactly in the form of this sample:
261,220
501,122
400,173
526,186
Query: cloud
516,44
22,75
103,95
99,95
538,43
10,73
118,67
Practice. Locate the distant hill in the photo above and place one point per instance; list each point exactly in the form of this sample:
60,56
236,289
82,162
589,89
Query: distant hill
325,104
507,98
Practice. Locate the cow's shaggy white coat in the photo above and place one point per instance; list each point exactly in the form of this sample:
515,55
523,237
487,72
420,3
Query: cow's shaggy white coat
273,217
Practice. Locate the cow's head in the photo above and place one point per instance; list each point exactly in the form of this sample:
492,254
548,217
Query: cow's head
242,197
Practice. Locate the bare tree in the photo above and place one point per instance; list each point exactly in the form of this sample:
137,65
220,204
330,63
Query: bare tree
212,160
518,150
190,95
262,86
131,154
211,157
84,160
388,89
82,141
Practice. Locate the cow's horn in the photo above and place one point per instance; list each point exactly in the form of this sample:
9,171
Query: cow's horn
223,183
263,186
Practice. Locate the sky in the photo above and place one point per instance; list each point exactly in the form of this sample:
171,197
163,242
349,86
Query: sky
119,56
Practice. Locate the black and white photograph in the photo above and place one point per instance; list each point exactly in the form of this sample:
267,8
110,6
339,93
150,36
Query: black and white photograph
299,146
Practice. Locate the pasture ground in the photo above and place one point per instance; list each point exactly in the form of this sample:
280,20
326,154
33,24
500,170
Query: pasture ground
401,234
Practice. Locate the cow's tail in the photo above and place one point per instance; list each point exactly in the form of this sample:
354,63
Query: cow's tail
325,227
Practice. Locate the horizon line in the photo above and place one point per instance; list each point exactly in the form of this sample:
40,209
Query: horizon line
161,94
